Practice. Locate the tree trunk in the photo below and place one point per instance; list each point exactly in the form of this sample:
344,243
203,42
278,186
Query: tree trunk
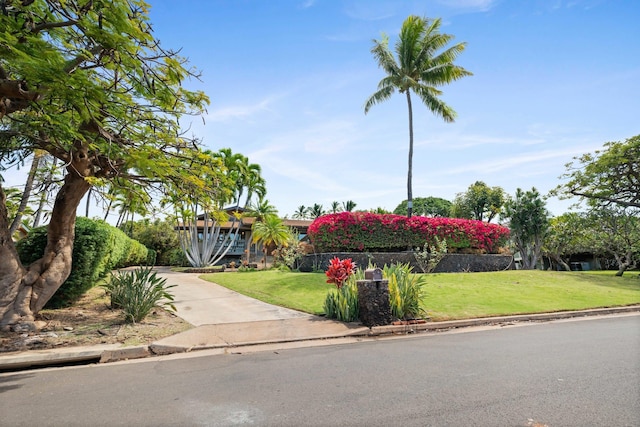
410,169
25,291
624,262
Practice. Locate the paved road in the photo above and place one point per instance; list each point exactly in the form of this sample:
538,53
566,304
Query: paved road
570,373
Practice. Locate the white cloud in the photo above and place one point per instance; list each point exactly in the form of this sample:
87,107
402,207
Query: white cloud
239,111
469,5
517,161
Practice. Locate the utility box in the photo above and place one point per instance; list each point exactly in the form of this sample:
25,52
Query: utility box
373,299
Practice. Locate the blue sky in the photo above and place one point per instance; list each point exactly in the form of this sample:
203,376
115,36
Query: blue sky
288,80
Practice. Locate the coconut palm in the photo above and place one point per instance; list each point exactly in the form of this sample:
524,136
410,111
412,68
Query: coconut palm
424,63
301,212
335,207
316,211
348,206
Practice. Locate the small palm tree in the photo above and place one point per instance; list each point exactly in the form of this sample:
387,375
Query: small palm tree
335,207
421,67
270,232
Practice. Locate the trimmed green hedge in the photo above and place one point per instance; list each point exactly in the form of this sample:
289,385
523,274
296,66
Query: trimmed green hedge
98,248
364,231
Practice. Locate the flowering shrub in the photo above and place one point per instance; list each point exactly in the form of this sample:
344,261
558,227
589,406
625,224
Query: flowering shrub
342,303
364,231
339,271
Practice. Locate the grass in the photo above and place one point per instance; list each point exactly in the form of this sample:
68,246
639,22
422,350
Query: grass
457,295
300,291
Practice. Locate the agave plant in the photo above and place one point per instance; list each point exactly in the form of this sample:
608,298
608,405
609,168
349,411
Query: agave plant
137,292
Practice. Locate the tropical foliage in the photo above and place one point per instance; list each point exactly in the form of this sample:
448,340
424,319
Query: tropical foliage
271,233
610,176
100,248
529,221
342,302
406,291
424,63
87,83
479,202
426,206
362,231
137,292
339,271
615,231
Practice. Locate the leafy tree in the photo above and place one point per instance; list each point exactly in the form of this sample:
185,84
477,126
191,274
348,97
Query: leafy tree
86,82
528,221
335,207
159,235
426,206
610,177
424,63
616,231
479,202
568,234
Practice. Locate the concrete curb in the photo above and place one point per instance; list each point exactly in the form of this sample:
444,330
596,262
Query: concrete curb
114,352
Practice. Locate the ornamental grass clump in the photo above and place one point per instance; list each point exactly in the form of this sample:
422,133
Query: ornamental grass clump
342,303
406,291
137,292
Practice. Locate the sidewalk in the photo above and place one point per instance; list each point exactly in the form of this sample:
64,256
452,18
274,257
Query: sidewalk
227,319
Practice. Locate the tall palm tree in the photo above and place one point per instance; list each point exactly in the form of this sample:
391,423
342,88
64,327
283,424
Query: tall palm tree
424,63
348,206
316,211
301,212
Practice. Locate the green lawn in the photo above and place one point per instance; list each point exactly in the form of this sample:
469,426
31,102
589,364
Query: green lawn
457,295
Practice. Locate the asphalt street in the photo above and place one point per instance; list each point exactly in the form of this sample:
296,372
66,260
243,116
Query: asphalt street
566,373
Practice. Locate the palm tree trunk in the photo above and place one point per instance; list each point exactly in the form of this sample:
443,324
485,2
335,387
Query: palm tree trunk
26,195
86,213
410,170
44,193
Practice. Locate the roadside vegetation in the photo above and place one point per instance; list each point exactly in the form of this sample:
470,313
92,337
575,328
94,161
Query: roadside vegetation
456,295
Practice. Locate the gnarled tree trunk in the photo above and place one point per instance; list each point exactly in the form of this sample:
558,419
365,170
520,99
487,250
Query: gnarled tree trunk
25,290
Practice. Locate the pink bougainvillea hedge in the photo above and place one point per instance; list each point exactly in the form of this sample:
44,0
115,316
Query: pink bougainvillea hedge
363,231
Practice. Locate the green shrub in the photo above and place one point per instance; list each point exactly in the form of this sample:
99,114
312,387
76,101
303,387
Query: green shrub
175,257
137,292
430,255
406,291
364,231
98,248
160,236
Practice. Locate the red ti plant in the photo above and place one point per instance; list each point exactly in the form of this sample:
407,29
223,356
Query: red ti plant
339,271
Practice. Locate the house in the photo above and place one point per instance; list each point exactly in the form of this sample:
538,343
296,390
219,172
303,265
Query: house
240,226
